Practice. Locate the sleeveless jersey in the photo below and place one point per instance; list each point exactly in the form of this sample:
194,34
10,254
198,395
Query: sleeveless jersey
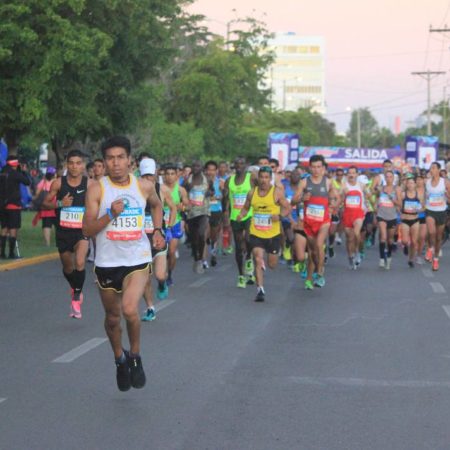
354,198
264,208
317,207
289,193
123,242
215,205
238,195
411,206
197,198
71,217
176,198
386,207
436,196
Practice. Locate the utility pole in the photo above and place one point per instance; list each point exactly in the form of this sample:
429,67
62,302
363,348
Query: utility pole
439,30
444,117
428,75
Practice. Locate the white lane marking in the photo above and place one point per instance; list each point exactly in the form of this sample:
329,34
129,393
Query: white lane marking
428,273
164,304
80,350
223,268
2,400
367,383
447,310
437,287
200,282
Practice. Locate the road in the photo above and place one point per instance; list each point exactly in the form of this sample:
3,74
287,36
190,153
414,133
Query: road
363,363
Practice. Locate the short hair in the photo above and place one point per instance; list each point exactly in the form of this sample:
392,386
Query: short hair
390,171
352,167
143,155
99,160
274,161
75,154
170,166
116,141
317,158
387,161
437,164
340,169
90,165
210,163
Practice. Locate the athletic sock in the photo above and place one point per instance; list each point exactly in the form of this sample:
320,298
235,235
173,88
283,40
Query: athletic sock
161,285
78,277
382,249
69,278
12,245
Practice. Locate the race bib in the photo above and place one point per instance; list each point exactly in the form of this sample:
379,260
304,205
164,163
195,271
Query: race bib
301,214
352,201
385,201
315,212
196,198
437,201
166,215
263,222
239,200
126,227
411,207
149,228
72,217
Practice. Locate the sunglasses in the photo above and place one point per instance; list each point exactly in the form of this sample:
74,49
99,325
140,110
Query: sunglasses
265,169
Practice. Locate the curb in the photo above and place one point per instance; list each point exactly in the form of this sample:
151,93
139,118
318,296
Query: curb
28,262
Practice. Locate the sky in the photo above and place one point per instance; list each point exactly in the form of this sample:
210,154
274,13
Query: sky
371,49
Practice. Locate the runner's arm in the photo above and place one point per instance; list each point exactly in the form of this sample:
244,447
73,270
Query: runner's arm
226,196
184,199
286,208
169,202
49,202
91,225
157,215
297,197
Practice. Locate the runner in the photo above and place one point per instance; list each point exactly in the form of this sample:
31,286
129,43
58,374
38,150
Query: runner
175,232
98,169
316,192
380,180
336,227
235,193
268,203
422,238
70,192
353,193
147,170
199,190
115,214
389,199
437,196
215,210
412,203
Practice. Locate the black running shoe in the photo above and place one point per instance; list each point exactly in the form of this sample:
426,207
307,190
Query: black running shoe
137,373
260,296
123,375
213,261
331,251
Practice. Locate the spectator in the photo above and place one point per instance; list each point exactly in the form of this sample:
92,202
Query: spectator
10,204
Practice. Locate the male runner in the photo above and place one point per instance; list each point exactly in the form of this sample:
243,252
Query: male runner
437,196
353,198
175,232
316,192
147,170
268,203
70,193
235,194
115,214
336,227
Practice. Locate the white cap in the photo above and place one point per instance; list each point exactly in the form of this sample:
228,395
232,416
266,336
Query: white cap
253,169
363,179
147,167
290,167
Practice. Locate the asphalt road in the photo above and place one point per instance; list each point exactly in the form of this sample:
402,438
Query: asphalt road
363,363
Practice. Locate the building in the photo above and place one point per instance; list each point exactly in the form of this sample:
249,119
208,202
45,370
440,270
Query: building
297,77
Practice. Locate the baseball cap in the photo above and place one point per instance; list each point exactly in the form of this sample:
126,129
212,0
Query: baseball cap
50,170
12,161
290,167
147,167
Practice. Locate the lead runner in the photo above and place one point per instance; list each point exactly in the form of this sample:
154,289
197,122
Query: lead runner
115,213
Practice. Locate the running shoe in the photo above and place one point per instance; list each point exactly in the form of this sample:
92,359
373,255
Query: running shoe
164,293
149,315
419,260
242,283
351,263
228,250
251,280
169,281
381,263
411,264
435,264
429,254
309,286
205,264
75,309
362,255
260,296
331,251
198,267
213,260
296,268
388,264
357,259
405,250
123,375
287,254
304,273
320,281
249,267
137,374
338,240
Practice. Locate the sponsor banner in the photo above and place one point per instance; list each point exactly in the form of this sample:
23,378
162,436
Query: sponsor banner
370,158
421,151
284,147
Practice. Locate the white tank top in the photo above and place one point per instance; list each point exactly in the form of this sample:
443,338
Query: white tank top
436,198
353,201
123,242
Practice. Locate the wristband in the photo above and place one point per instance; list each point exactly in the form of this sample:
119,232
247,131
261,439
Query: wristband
159,229
110,214
59,204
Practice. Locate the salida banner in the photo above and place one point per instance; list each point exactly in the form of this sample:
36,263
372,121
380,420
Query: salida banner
364,158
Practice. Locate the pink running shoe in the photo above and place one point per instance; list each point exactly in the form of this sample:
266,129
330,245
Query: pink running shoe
75,309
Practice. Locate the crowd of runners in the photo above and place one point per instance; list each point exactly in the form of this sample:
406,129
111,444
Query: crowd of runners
129,217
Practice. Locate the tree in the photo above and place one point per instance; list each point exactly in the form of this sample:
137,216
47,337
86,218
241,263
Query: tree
368,127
